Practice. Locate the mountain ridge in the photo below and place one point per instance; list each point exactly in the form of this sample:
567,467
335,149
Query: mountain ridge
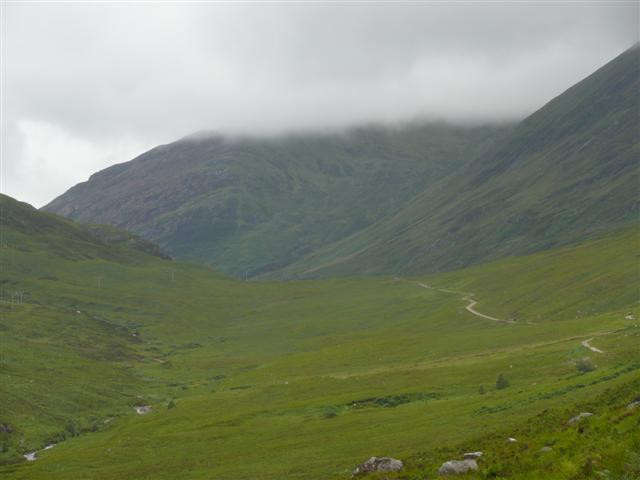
566,172
256,204
374,200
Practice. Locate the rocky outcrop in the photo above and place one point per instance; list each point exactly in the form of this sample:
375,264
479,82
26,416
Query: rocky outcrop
379,464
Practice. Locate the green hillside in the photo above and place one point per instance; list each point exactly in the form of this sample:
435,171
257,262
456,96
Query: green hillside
306,379
412,199
567,172
251,205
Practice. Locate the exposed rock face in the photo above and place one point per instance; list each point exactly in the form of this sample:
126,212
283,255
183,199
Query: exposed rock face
458,467
579,417
379,464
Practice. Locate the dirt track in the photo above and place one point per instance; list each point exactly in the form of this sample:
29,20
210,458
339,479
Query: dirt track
472,303
586,344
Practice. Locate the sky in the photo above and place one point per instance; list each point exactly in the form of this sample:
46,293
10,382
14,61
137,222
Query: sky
87,85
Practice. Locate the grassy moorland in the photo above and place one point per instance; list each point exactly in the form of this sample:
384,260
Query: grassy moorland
306,379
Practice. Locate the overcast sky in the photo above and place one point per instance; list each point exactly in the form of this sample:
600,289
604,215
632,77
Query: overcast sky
88,85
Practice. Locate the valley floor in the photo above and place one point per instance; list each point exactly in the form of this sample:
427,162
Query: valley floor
307,379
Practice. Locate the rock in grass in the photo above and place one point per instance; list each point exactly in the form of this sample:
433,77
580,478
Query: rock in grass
30,457
579,417
546,449
143,409
6,428
511,440
458,467
379,464
472,455
634,404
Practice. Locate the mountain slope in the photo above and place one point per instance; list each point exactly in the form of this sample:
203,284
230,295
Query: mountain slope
567,172
249,205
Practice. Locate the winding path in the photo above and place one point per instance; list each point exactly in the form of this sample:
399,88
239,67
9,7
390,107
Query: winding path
586,344
470,309
472,303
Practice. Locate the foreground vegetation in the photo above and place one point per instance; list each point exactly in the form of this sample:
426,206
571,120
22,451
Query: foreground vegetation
251,380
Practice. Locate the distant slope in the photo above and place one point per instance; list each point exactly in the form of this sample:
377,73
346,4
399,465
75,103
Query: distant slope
567,172
249,205
68,238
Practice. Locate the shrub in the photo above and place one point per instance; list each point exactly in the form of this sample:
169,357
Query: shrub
171,404
502,382
330,412
481,390
585,365
72,429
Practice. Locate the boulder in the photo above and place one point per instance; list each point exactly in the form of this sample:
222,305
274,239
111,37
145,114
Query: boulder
511,440
472,455
379,464
634,404
579,417
458,467
142,410
30,457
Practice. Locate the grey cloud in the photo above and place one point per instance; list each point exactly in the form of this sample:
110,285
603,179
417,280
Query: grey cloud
93,84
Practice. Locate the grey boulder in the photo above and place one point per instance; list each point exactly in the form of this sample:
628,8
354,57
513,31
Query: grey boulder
458,467
379,464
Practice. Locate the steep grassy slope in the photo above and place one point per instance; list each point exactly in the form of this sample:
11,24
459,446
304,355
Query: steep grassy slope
67,238
301,379
254,205
567,172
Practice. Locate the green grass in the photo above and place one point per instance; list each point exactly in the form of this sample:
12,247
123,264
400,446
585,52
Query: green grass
306,379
